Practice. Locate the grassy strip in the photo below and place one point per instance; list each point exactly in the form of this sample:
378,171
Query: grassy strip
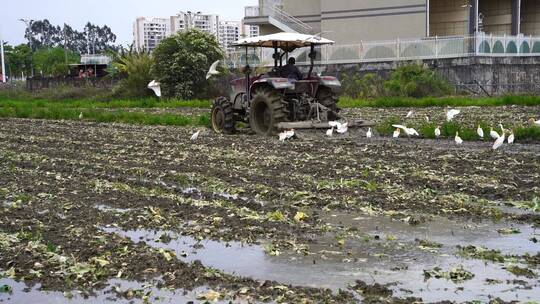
116,104
60,113
347,102
449,130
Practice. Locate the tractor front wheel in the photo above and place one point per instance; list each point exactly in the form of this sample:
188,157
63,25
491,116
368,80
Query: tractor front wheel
222,116
266,112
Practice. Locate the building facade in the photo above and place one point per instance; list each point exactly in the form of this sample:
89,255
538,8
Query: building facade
148,32
352,21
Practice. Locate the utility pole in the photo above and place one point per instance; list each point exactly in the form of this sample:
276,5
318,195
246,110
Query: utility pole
3,62
28,23
65,44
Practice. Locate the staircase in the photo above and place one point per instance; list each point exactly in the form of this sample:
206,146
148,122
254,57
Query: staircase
284,21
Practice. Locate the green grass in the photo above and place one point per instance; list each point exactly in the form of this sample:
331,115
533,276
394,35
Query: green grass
58,112
347,102
146,103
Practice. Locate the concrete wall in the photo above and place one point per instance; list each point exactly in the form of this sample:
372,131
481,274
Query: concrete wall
497,16
448,18
496,75
352,21
530,17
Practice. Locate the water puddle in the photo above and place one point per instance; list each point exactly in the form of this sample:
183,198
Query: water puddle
447,232
397,260
21,294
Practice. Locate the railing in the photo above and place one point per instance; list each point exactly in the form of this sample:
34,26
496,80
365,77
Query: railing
404,49
286,19
252,11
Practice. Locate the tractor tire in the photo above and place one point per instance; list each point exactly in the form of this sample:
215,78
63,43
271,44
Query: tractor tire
327,98
266,112
222,116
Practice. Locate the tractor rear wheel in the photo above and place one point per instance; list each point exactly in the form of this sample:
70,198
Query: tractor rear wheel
266,112
327,98
222,116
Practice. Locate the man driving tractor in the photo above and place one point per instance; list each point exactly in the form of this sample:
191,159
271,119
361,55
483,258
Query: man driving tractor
290,70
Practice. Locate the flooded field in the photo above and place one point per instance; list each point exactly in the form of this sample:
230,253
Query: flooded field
91,213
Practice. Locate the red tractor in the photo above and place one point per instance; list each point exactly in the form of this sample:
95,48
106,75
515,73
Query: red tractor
273,101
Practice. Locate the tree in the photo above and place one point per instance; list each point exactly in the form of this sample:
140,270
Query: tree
93,39
42,33
52,61
181,62
18,60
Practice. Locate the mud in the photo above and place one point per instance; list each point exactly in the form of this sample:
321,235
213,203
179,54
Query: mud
256,220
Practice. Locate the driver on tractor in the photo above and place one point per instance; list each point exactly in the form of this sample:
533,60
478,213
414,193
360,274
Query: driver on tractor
290,70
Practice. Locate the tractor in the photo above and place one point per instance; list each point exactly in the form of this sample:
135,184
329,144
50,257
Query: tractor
272,102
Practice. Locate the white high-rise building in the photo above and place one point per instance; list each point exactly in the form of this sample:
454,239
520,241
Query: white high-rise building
229,33
206,23
149,32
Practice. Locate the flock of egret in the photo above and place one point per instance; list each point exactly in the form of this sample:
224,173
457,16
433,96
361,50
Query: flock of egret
341,128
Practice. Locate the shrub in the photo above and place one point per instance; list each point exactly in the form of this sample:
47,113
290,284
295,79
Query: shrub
181,63
416,81
135,67
368,86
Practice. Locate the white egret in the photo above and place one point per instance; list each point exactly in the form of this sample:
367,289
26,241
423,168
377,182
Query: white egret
511,137
494,134
213,70
369,134
451,114
458,139
290,134
334,124
480,132
410,114
427,118
81,116
499,142
343,128
286,135
438,132
396,133
330,132
156,87
195,136
408,131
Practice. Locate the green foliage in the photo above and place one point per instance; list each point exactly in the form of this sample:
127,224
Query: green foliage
181,63
52,61
135,67
368,86
416,81
406,81
18,60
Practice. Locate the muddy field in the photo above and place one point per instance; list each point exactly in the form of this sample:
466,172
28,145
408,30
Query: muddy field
99,212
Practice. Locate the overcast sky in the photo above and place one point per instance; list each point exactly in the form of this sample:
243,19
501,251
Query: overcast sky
118,14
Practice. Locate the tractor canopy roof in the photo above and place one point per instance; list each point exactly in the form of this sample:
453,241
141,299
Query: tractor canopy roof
285,41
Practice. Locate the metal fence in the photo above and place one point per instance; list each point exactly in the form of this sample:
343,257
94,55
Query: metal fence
402,49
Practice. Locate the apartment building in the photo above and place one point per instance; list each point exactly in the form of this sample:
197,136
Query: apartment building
149,32
352,21
229,32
